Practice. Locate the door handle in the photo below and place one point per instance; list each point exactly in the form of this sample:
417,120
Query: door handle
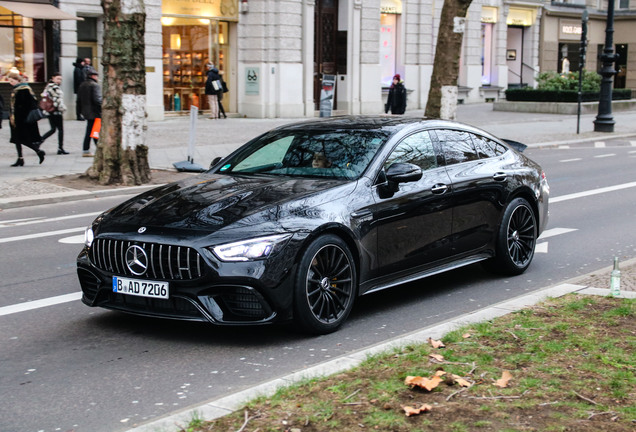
500,176
439,188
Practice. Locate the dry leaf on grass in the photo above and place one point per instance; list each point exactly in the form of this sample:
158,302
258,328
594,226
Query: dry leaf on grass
461,381
421,382
436,343
466,335
409,411
437,357
503,381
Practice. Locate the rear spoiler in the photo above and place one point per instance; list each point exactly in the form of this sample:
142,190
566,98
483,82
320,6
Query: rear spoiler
516,145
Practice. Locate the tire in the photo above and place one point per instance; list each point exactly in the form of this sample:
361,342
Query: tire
516,239
326,286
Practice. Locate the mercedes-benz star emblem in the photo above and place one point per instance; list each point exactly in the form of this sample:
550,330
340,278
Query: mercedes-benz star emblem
141,230
136,260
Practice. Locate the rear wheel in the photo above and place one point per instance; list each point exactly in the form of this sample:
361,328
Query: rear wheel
325,286
516,239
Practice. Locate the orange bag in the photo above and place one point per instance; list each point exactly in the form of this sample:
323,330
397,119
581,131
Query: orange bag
96,127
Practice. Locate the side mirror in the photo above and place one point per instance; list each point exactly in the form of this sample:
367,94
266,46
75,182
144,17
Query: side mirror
403,173
215,161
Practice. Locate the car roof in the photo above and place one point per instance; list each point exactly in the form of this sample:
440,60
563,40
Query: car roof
375,122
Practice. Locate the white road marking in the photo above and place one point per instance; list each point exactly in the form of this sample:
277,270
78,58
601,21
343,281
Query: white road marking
564,146
632,143
29,221
605,155
36,304
555,232
541,247
78,239
592,192
40,235
599,144
571,160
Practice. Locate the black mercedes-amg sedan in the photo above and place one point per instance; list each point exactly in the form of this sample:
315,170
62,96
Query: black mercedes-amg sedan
300,221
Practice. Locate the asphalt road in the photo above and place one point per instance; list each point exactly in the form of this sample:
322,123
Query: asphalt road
69,367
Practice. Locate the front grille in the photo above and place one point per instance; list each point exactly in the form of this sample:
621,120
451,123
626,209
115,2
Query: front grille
174,307
166,262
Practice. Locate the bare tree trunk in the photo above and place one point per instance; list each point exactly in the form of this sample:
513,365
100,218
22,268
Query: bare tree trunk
446,64
122,156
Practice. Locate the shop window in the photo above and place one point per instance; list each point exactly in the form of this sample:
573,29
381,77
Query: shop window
569,58
22,45
188,45
388,42
486,53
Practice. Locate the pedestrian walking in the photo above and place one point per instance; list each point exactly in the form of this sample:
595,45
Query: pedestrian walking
220,97
54,92
396,103
90,96
213,87
23,122
79,75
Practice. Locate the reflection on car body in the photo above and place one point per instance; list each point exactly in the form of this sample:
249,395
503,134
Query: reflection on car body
266,235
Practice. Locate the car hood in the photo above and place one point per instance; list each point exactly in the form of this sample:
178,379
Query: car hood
213,201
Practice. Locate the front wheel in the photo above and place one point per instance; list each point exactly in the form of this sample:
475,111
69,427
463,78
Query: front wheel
325,286
516,239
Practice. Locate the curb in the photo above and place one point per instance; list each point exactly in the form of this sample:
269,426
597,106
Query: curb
223,406
32,200
553,144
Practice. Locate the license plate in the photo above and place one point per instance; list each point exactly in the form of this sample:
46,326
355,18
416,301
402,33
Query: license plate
141,288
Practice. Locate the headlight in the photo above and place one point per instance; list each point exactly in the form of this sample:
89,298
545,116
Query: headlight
252,249
88,236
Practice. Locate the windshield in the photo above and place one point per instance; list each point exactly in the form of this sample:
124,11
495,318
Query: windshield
342,154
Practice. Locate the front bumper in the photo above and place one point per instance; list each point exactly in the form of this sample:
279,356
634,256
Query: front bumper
225,293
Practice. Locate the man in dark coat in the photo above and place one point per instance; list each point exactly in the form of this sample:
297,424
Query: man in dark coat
23,132
79,75
397,97
90,97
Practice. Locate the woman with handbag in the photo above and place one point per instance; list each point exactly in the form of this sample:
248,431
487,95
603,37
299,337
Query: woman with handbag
55,97
213,86
24,126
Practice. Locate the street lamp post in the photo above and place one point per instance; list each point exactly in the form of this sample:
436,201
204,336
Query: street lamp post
604,121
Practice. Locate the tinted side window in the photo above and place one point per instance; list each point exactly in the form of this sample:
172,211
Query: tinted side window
487,148
457,146
416,149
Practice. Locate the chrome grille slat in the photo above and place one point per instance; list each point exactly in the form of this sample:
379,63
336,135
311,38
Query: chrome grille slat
164,261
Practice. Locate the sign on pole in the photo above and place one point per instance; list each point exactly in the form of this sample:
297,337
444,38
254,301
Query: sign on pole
327,94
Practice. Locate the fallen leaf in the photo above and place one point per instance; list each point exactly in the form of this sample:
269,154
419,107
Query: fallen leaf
466,335
437,357
421,382
436,343
462,382
440,373
503,381
409,411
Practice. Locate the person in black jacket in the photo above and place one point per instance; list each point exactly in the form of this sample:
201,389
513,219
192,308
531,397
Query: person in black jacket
23,132
213,87
90,96
397,97
79,75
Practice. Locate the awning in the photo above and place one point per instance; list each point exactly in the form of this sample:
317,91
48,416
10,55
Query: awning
38,11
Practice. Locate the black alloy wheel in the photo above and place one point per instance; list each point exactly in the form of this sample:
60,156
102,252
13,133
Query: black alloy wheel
516,240
325,286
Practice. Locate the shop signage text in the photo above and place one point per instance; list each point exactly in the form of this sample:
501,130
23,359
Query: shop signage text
571,30
227,9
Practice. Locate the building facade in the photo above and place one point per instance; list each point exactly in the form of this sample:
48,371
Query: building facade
276,55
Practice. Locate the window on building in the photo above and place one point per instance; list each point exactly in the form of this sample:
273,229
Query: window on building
623,4
569,57
22,45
